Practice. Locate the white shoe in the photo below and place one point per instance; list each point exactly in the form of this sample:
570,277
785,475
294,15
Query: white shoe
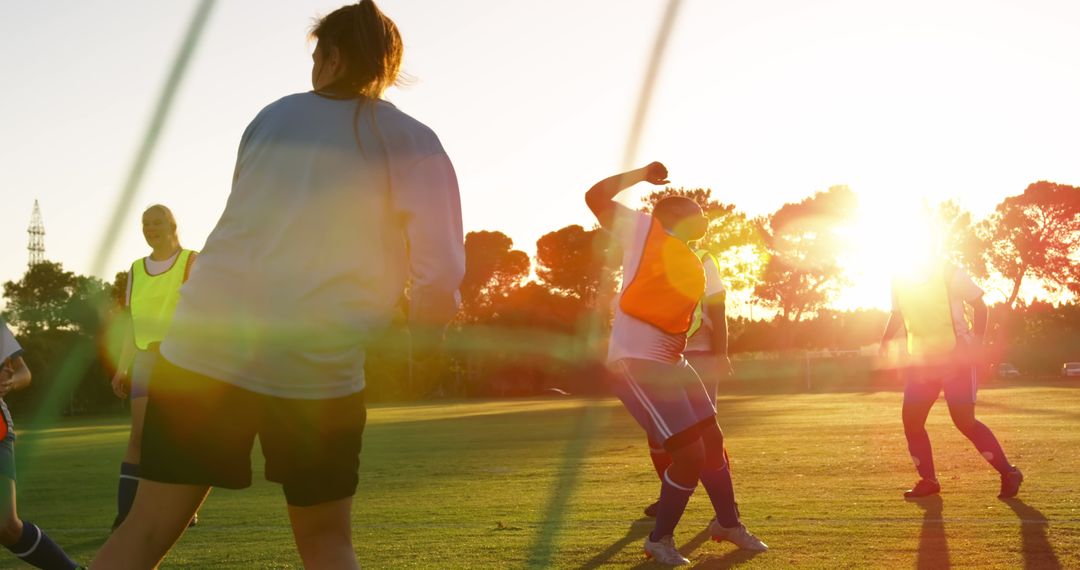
664,551
738,536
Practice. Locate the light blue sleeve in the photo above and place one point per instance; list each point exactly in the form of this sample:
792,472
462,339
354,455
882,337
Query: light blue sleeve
9,347
425,196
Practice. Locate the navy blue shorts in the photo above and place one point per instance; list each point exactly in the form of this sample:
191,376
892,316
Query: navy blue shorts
708,369
665,399
140,372
925,383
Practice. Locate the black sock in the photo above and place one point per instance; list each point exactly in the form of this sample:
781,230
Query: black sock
125,493
37,549
717,483
989,447
673,499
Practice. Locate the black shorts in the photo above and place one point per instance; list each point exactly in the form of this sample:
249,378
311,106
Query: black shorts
200,431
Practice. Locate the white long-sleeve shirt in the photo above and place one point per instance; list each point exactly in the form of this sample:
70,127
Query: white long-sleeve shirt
310,258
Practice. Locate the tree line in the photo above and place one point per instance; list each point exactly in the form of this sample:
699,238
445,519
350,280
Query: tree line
530,323
787,262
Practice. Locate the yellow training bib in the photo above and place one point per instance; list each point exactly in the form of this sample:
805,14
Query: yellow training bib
154,298
927,311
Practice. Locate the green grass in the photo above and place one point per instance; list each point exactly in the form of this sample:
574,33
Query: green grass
561,483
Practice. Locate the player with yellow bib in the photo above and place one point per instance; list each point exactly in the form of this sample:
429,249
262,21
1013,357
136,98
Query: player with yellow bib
940,351
153,289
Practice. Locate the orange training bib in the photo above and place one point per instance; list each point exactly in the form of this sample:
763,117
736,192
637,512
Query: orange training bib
668,284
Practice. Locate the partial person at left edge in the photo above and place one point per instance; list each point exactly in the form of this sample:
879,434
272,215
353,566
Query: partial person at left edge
22,538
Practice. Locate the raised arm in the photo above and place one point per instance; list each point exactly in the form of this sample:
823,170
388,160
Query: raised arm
600,198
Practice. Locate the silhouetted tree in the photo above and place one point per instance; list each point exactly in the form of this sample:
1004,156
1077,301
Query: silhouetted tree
1036,233
961,243
733,238
59,317
569,261
492,269
803,272
118,289
49,298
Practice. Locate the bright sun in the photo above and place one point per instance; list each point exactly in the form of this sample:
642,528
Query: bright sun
887,236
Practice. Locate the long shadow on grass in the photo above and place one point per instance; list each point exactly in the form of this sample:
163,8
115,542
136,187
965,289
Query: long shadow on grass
636,533
558,507
933,545
1038,553
728,560
523,407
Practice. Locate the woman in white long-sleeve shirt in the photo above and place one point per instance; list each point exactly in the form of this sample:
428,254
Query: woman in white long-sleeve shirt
337,198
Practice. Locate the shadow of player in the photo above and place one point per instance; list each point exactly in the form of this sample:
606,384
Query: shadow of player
728,560
933,551
1038,553
636,533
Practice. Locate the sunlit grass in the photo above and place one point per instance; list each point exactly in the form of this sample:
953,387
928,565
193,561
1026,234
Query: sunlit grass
470,484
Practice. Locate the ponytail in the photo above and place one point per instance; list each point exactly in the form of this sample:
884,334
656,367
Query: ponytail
370,48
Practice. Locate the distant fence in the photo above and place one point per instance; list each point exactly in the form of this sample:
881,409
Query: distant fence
806,371
842,371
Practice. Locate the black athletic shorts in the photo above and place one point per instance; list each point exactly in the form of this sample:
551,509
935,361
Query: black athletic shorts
200,431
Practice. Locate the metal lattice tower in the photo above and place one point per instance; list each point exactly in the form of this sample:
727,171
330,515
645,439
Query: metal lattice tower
37,237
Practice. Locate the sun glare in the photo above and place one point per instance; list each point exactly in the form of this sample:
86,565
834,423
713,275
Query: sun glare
888,237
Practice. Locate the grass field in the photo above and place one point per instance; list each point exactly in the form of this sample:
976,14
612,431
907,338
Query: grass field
561,483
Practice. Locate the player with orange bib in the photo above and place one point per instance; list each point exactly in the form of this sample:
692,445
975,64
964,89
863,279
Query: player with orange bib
706,350
663,282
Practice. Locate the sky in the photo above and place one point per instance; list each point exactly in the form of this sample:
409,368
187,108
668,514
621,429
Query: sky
764,101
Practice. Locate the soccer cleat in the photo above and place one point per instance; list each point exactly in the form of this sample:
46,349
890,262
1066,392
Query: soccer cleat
1010,483
650,511
924,488
664,551
194,520
737,535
